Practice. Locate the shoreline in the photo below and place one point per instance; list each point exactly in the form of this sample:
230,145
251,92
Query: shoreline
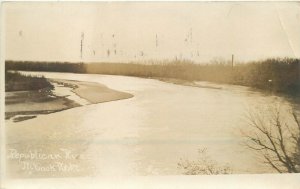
67,94
185,83
193,83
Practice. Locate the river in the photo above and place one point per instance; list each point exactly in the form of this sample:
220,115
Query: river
150,133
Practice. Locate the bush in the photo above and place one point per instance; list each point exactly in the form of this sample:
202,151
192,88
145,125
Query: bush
204,165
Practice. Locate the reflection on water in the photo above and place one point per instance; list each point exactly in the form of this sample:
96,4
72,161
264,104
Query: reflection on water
149,133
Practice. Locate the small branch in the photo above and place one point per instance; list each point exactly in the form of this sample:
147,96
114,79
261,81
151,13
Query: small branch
272,164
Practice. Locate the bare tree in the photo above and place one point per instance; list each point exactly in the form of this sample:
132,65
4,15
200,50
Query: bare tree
203,165
276,137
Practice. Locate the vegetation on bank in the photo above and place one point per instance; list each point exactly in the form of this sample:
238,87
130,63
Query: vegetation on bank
36,92
277,74
15,81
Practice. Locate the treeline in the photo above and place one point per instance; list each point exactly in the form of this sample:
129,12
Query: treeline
166,69
45,66
277,74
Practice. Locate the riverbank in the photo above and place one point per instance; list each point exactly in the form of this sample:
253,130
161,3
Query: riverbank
268,75
66,94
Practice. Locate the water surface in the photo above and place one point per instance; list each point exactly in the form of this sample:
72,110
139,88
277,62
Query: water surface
149,133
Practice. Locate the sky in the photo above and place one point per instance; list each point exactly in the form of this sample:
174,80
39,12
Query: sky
142,31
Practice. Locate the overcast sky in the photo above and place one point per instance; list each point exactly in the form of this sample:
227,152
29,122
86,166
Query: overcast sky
134,31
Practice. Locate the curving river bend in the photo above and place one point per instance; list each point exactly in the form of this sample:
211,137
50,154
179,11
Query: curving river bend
149,133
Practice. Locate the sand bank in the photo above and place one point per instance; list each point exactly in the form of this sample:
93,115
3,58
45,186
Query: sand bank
95,92
22,105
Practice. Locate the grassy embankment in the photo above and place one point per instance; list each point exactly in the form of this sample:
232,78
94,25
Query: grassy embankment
26,96
276,75
15,81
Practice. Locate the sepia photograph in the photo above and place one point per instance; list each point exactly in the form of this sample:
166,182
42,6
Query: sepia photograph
150,89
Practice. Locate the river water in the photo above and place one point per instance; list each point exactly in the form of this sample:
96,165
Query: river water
150,133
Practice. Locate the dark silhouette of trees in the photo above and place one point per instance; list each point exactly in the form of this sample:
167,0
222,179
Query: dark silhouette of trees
45,66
